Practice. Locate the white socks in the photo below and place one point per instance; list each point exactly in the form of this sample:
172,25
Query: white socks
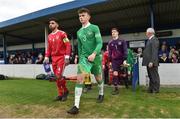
78,92
101,87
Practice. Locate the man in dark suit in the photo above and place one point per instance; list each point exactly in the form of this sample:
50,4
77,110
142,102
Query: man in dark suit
150,60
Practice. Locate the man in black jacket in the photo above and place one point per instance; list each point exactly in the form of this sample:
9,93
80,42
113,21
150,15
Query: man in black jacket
150,60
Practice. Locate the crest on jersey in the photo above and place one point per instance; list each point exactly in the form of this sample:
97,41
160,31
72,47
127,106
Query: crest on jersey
57,37
119,43
89,33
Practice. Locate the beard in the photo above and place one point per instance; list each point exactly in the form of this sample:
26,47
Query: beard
52,28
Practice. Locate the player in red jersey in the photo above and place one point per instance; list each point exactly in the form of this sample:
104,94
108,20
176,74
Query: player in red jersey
106,64
59,48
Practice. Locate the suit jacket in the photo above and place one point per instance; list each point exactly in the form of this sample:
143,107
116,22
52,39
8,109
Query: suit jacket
150,53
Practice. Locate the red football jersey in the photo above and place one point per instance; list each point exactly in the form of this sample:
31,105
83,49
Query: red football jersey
58,44
105,58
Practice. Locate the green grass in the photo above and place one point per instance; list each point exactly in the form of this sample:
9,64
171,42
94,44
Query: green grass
33,98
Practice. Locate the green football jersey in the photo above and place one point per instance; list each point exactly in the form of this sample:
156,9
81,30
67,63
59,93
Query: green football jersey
130,59
89,41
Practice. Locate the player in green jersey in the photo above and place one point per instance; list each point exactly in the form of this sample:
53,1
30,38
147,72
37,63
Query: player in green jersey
130,61
90,57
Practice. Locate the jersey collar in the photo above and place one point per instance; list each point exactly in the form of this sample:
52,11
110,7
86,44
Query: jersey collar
86,25
54,32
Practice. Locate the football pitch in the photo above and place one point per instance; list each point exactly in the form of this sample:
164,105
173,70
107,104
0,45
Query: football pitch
30,98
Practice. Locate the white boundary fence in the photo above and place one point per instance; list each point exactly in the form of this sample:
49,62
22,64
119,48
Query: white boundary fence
169,73
31,70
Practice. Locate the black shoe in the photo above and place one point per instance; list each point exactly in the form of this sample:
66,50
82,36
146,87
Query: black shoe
89,87
73,110
155,91
149,90
152,91
115,92
100,98
64,97
58,98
